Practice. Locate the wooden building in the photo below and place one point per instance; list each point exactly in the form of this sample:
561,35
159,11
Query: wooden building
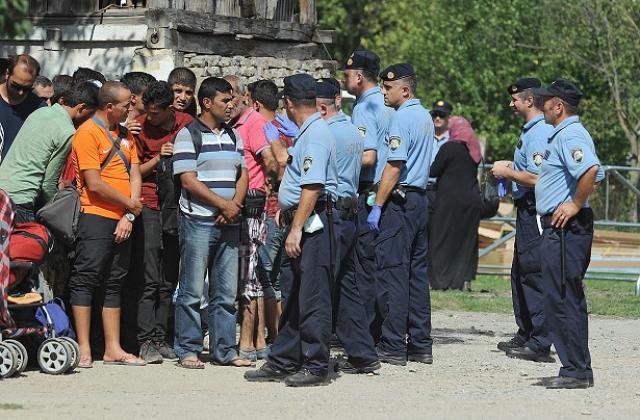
251,38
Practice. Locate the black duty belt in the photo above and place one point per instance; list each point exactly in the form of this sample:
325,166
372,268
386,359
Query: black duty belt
431,186
580,222
347,206
527,201
410,188
286,216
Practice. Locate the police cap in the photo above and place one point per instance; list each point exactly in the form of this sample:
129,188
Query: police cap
327,88
397,71
524,84
442,107
563,89
299,86
362,59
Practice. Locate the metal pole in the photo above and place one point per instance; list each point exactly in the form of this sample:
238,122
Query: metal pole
496,244
606,196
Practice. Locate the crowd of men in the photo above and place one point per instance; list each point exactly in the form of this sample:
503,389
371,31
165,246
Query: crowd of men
305,222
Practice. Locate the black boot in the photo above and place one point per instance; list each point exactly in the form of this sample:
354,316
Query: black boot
566,382
513,343
266,374
347,366
305,378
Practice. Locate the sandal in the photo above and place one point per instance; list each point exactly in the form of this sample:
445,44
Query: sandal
239,362
190,364
126,360
85,364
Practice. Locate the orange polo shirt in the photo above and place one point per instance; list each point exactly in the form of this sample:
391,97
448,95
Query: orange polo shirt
91,146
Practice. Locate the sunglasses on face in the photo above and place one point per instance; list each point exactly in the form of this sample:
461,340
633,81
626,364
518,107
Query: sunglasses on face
19,87
440,115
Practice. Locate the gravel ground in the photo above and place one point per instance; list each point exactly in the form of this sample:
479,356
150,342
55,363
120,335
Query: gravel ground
470,378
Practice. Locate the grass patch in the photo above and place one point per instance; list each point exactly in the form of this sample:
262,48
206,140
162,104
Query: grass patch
493,294
9,406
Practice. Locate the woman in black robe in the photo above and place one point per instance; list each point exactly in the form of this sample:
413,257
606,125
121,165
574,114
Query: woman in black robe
453,236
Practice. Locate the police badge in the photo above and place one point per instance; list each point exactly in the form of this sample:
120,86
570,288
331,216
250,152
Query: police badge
538,158
306,165
394,143
577,155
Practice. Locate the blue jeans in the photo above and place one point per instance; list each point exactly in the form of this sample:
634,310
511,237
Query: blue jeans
269,256
207,248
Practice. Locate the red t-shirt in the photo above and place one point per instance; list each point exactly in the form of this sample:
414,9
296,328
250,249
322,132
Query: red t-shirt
250,126
150,141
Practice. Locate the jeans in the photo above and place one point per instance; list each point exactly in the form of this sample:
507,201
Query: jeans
269,256
24,213
207,248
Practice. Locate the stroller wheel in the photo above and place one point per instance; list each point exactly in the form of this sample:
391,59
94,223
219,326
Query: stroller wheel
74,350
54,357
8,360
23,356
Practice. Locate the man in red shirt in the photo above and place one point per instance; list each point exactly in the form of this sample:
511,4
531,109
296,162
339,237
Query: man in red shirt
260,163
158,247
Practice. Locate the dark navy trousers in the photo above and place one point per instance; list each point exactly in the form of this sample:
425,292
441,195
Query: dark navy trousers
526,282
365,267
305,325
402,284
352,325
565,305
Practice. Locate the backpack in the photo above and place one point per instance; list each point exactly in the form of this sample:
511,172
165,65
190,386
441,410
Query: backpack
169,187
30,242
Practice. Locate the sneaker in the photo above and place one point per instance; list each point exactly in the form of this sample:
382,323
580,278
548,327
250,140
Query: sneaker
346,366
149,353
511,344
305,378
165,350
265,374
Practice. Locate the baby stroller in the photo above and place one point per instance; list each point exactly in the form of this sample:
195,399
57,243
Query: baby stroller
19,307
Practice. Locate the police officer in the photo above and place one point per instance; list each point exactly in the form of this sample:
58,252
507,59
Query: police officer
531,342
371,117
300,354
399,222
352,326
567,177
440,112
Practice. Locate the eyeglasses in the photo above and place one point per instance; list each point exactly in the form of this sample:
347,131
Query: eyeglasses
440,115
19,87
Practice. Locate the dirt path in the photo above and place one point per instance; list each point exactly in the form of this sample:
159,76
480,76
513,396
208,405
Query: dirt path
469,379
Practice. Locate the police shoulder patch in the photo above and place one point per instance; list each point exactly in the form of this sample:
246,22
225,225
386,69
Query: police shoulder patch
577,155
394,143
520,144
538,158
306,165
363,131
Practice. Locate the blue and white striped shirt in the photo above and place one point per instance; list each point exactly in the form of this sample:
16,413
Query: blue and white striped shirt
218,166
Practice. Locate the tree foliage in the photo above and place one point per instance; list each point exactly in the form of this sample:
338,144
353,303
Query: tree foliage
469,51
12,13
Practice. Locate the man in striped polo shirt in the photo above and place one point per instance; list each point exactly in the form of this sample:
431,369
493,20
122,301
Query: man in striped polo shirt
209,158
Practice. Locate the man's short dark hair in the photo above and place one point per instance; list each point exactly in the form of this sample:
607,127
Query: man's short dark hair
369,76
25,59
309,103
62,84
182,76
538,101
108,93
158,94
265,92
210,87
138,81
568,108
42,81
82,93
82,74
412,82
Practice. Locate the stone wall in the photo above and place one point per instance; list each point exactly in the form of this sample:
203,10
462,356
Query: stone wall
256,68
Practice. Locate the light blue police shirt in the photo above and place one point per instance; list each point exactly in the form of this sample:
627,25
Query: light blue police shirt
437,144
529,153
410,140
349,148
570,153
372,118
313,161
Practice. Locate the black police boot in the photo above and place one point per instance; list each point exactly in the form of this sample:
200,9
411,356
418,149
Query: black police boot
525,353
266,374
305,378
391,359
347,366
421,358
566,382
513,343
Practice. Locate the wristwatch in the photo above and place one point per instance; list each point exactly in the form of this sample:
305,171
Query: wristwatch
130,216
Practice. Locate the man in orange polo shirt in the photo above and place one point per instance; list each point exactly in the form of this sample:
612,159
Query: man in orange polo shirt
108,176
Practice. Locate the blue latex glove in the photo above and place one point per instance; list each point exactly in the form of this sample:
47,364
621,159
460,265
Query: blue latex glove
271,132
374,218
502,187
289,128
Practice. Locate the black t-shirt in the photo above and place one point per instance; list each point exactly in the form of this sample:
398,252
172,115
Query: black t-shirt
12,117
